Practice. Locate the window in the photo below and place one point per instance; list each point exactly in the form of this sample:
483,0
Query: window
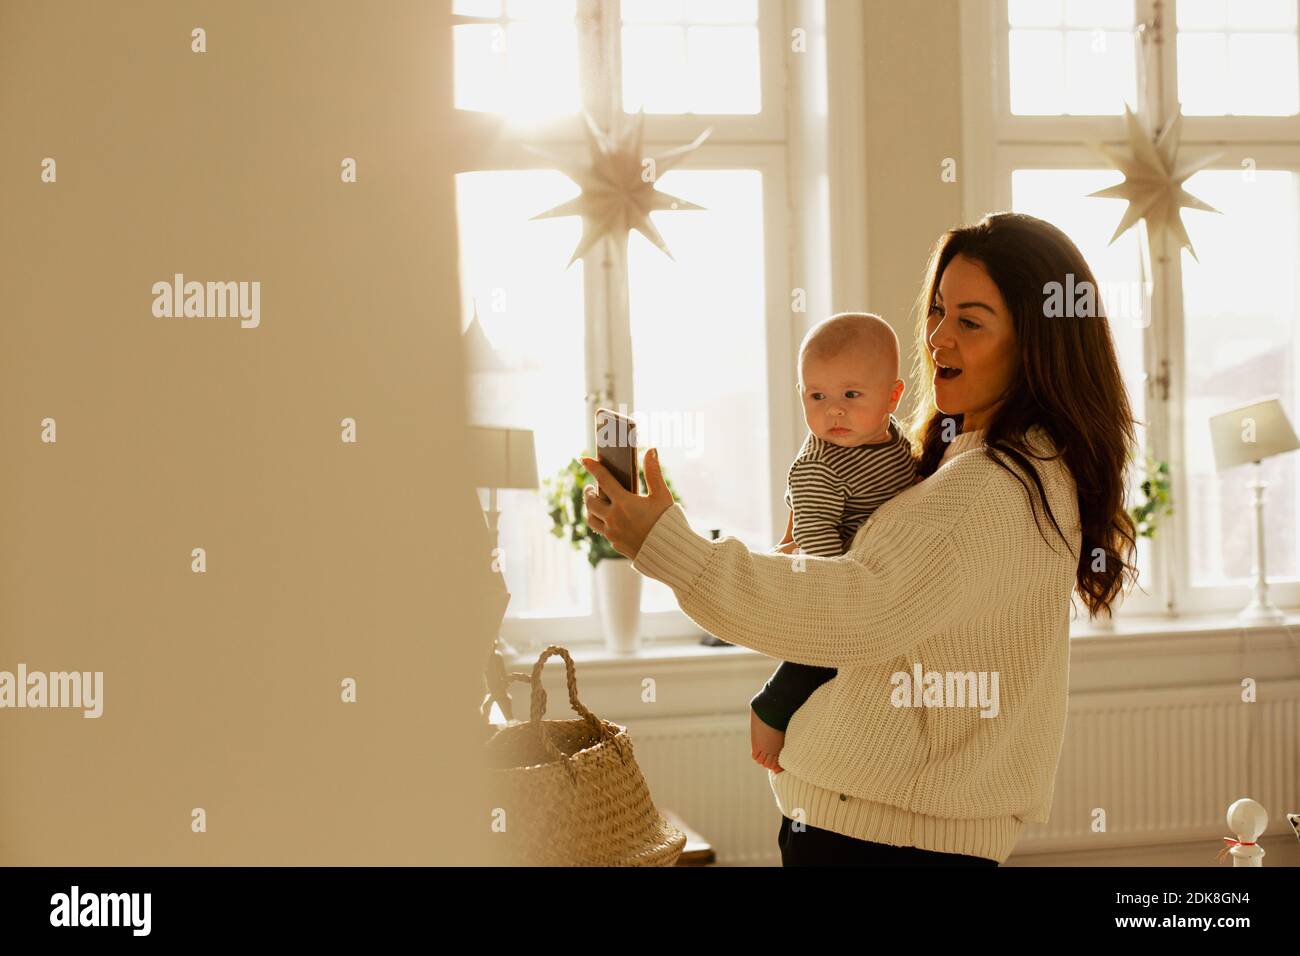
1241,340
1071,57
528,368
1208,334
520,60
1061,197
672,54
1237,57
698,347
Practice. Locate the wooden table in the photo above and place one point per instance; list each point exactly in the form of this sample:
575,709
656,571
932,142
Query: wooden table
698,851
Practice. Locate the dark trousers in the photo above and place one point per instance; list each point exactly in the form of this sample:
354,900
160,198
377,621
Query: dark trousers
816,847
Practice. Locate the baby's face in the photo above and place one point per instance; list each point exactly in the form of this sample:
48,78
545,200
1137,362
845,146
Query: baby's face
847,399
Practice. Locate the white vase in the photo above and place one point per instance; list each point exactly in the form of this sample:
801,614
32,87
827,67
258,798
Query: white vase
1103,621
618,596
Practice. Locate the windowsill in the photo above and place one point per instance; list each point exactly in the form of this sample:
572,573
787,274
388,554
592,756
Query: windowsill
1143,656
1128,633
660,650
1159,625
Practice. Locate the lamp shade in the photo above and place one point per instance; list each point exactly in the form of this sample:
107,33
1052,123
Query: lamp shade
1251,433
502,457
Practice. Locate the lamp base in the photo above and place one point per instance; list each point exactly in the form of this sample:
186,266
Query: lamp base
507,652
1260,612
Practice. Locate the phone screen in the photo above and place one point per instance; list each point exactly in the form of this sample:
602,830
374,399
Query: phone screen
616,447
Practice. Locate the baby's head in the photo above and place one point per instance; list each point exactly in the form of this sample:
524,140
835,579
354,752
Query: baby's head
848,378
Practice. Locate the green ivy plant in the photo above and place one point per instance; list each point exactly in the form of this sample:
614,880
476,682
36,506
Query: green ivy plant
1155,490
568,513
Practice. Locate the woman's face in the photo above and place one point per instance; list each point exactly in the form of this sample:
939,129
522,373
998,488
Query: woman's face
970,330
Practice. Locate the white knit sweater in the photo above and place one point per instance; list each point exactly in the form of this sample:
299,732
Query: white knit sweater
951,574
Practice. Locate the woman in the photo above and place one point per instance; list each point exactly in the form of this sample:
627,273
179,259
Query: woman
964,580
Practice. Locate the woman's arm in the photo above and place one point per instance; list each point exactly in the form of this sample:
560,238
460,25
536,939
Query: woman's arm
911,573
907,578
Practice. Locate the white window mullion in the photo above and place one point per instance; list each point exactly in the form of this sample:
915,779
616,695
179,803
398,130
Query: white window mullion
595,72
612,40
593,54
984,107
1164,414
775,43
846,144
994,16
783,330
609,264
599,351
1157,83
609,351
1162,65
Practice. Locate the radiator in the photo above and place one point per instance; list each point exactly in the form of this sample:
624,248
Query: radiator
700,767
1163,765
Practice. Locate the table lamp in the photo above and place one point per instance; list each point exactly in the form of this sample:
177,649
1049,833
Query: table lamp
1247,435
501,457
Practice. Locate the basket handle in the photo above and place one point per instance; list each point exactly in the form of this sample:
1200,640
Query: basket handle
537,706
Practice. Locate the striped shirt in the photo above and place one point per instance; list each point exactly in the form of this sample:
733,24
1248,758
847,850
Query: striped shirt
832,490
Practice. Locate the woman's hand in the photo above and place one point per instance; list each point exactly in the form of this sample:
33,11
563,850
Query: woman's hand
623,518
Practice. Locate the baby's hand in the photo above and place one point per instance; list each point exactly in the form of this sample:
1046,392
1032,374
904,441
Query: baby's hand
765,742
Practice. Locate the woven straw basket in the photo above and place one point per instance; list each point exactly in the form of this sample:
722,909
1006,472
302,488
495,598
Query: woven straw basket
572,792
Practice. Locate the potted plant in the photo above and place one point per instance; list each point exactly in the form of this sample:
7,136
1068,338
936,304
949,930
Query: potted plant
1155,489
1156,503
618,584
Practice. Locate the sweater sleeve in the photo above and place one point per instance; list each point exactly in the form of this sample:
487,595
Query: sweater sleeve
902,581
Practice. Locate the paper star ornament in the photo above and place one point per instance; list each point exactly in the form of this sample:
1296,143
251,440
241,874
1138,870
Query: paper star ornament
1154,174
618,186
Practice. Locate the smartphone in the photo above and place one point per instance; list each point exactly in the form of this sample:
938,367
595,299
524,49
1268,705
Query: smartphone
616,447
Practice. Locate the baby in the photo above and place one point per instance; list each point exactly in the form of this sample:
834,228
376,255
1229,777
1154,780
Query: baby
854,460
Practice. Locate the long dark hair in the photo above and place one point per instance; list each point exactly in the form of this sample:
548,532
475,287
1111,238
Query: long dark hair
1067,381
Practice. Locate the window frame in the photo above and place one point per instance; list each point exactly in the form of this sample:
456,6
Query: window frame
486,141
994,149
